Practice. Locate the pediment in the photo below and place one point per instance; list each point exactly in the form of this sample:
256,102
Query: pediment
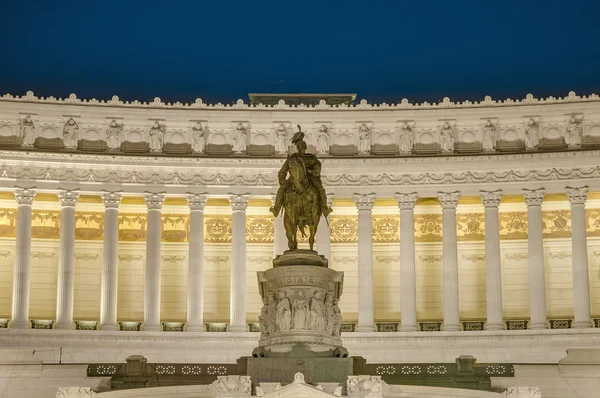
298,390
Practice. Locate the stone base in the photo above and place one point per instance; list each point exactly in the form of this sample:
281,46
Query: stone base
343,150
317,368
260,150
48,143
135,147
92,145
218,149
300,257
11,141
177,149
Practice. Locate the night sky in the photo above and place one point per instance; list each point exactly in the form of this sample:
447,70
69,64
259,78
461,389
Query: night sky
223,50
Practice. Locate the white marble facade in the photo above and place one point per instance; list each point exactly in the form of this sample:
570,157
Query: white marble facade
483,127
503,144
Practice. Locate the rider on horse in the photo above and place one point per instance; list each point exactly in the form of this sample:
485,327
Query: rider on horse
313,171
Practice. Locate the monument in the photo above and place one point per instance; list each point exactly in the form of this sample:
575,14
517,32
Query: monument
300,321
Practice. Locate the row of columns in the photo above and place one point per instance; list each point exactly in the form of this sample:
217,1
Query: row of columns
239,203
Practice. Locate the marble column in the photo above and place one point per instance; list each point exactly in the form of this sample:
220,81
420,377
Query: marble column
408,274
21,273
323,238
237,314
66,259
493,266
280,242
366,310
581,282
110,261
535,245
195,280
154,203
449,201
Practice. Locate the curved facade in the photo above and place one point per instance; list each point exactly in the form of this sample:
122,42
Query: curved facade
453,216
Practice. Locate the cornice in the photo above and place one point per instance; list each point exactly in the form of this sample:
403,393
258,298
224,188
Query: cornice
404,103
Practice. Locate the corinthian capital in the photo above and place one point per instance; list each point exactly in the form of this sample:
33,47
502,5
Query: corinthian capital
24,196
196,201
68,198
364,201
491,198
577,195
449,200
407,201
239,202
154,201
534,197
111,200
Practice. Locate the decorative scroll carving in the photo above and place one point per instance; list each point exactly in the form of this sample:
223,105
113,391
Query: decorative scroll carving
259,229
68,198
365,386
154,201
24,196
344,229
218,229
386,229
232,386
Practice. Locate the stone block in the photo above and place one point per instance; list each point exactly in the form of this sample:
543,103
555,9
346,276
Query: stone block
135,147
171,148
219,149
426,149
11,141
383,150
315,369
552,143
469,147
510,146
260,150
92,145
49,143
343,150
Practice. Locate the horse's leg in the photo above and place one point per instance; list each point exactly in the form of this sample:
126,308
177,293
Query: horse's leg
287,222
311,237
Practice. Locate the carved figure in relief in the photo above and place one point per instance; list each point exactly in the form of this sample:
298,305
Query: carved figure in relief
532,134
156,137
406,138
337,325
574,131
281,139
329,314
113,135
301,315
198,140
70,133
239,139
263,318
27,131
317,313
447,138
364,139
272,314
302,195
284,313
323,140
489,136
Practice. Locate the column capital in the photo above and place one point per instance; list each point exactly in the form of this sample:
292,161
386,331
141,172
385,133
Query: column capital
68,197
491,198
24,196
111,200
448,200
577,195
534,197
239,202
154,201
364,201
196,201
407,201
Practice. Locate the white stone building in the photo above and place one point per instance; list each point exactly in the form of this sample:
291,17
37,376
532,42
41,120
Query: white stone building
467,229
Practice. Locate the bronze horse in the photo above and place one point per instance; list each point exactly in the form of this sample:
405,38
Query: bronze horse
301,205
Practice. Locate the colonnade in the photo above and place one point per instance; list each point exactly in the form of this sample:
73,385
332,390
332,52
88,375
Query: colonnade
239,203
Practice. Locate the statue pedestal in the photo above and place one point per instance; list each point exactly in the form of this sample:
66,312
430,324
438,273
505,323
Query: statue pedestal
300,305
300,321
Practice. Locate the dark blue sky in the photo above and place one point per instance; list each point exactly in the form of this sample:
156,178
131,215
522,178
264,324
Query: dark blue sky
222,50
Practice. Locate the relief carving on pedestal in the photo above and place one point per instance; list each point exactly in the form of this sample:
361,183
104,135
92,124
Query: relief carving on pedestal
292,311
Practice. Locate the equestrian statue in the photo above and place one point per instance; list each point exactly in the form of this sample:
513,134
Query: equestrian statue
301,194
